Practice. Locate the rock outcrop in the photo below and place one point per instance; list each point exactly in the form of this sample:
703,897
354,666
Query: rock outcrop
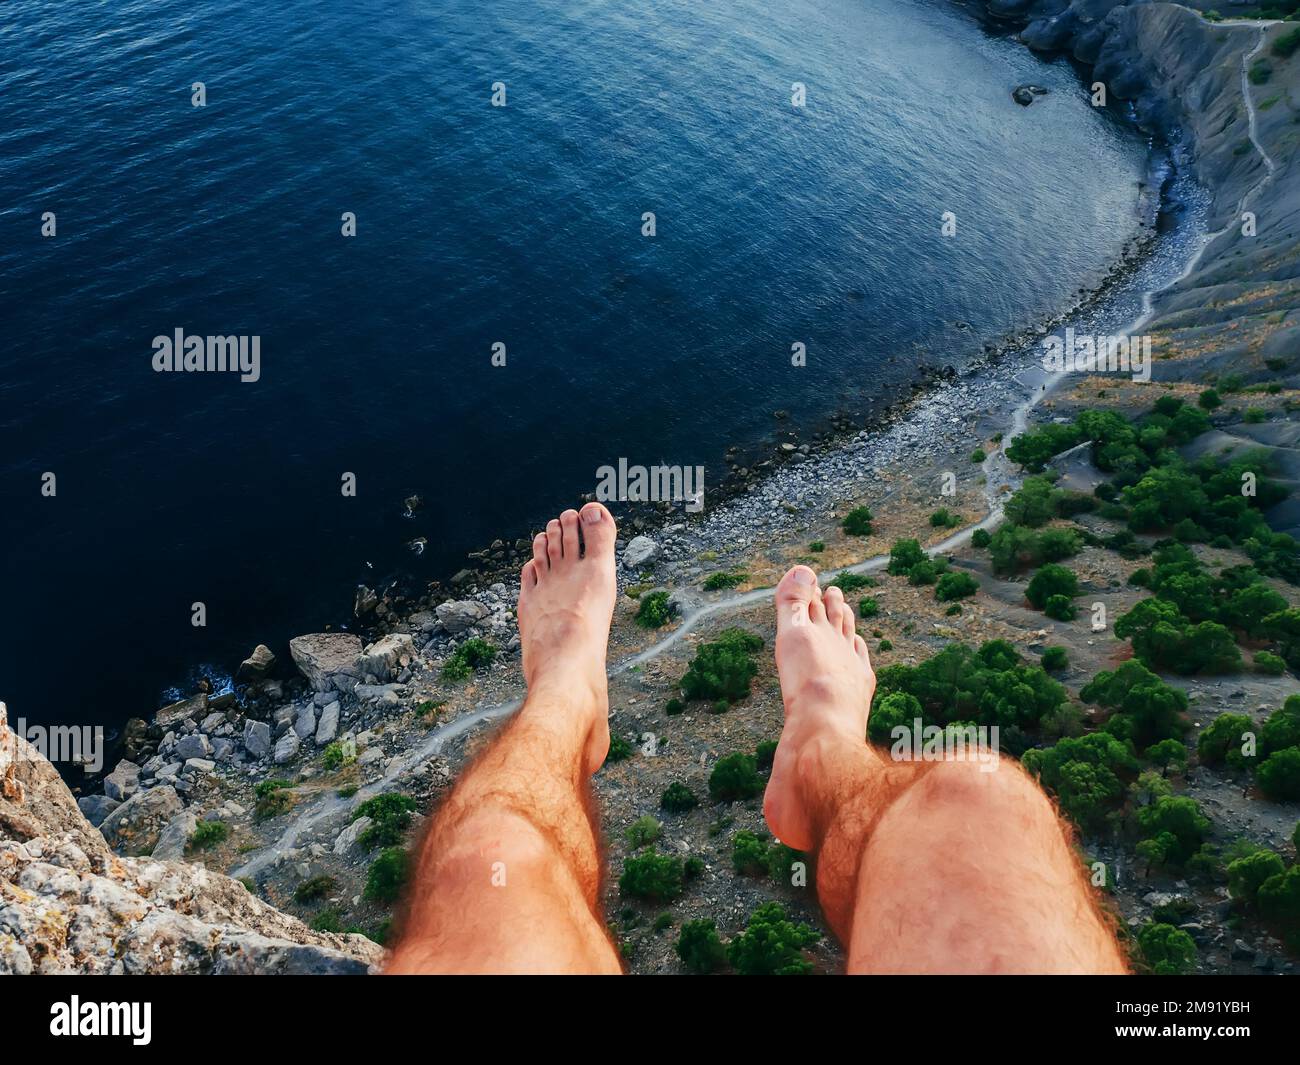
68,904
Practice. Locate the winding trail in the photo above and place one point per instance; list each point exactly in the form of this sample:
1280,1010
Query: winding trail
996,469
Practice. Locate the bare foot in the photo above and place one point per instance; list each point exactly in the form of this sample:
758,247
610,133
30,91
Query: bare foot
826,684
566,604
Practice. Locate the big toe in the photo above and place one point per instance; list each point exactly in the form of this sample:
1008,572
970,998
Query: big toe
598,531
798,599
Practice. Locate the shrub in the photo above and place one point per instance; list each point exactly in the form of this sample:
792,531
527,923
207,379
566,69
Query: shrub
1167,951
337,755
817,547
977,456
869,607
723,579
678,798
1247,875
1146,709
1060,608
943,518
1034,503
722,668
1052,581
700,948
851,582
771,945
387,875
891,711
313,889
328,920
857,522
1084,774
1181,819
735,777
980,538
654,610
764,755
1282,729
642,832
1166,753
1209,399
391,817
1286,44
674,707
273,799
1279,775
1223,740
475,653
955,585
619,748
781,861
884,645
926,572
207,834
748,853
904,555
651,876
1055,659
1279,904
1013,547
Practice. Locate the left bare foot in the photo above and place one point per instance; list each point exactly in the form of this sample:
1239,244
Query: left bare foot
566,604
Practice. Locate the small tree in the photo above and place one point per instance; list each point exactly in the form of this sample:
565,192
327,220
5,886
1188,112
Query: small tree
700,948
735,777
771,945
857,522
651,876
1168,951
1246,875
748,853
1050,581
678,798
1279,775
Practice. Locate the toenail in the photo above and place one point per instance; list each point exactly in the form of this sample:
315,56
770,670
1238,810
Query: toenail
591,515
804,576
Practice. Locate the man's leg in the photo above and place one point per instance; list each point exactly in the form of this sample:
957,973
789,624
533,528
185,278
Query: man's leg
921,867
506,880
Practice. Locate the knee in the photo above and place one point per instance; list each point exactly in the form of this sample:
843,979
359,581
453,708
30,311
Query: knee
997,789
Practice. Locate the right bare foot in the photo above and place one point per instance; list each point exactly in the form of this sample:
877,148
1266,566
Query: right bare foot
826,684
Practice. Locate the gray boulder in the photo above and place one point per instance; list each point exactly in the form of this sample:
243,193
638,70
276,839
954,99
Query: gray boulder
327,727
175,834
195,745
97,807
640,551
346,842
457,615
257,738
325,657
286,748
304,725
123,782
257,665
386,657
134,827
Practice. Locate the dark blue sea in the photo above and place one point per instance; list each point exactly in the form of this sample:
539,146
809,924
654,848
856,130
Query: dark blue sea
475,225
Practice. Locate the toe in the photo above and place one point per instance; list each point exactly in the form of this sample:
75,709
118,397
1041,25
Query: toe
795,596
539,555
554,542
860,646
848,622
598,531
528,576
569,535
833,601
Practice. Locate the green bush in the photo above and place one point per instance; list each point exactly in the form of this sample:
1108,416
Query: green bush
1247,875
748,853
1269,663
391,817
943,518
1223,740
386,876
955,585
926,572
772,945
699,947
619,748
1209,399
1279,775
1285,45
651,876
764,755
1055,659
1051,581
473,654
1181,819
857,522
980,538
869,607
654,611
1060,608
851,582
678,798
723,668
977,456
1282,728
817,547
329,919
1014,547
317,887
674,707
717,581
1145,708
1167,951
1086,776
904,555
1166,753
1279,904
207,834
734,778
337,755
642,832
